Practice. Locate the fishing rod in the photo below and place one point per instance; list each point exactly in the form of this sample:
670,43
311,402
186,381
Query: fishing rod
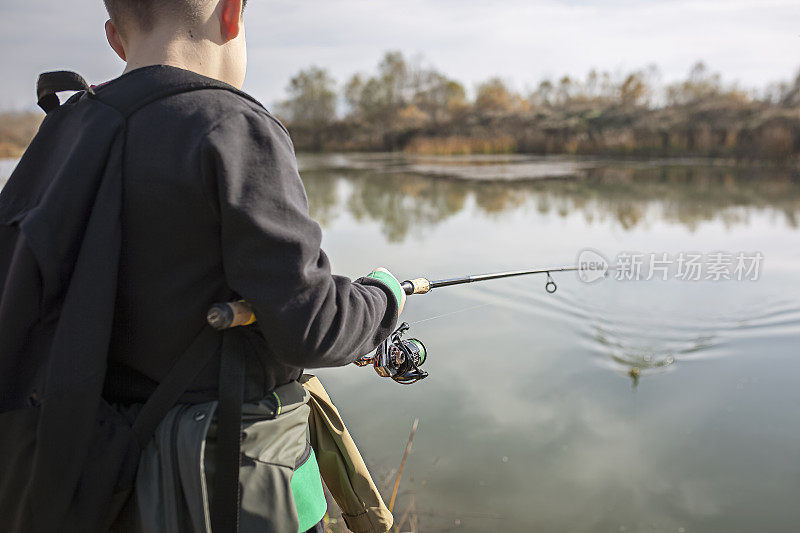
396,358
423,285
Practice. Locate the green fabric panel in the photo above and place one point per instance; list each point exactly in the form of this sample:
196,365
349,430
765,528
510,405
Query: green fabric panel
307,492
389,280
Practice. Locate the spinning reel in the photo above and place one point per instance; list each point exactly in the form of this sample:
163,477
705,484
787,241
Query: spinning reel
398,358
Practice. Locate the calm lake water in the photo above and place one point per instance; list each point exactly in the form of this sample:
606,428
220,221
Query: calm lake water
614,406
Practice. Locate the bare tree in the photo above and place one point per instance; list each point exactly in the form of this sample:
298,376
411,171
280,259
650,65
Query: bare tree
312,101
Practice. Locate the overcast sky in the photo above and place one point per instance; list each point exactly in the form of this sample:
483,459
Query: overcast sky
750,41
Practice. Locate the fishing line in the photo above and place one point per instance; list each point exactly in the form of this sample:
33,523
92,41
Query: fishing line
450,313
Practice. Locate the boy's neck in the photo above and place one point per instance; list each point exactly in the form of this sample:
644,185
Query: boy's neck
183,51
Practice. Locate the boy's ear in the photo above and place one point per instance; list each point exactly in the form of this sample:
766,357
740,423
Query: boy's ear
115,40
230,22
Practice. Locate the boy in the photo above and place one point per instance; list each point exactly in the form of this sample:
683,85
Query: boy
213,209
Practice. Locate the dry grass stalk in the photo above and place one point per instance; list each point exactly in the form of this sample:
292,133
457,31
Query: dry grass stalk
403,464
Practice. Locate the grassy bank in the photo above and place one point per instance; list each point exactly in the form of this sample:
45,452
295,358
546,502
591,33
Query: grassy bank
754,132
740,130
16,131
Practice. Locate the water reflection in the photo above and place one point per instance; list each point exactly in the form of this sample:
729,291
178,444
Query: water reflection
403,202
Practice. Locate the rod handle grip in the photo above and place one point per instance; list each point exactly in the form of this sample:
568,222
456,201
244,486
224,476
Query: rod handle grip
416,286
230,315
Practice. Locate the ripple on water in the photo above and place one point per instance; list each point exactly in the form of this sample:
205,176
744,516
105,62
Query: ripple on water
632,339
638,344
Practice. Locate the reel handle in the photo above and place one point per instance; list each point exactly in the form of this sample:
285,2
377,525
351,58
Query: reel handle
416,286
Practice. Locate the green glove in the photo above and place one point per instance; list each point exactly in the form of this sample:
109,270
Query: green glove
381,274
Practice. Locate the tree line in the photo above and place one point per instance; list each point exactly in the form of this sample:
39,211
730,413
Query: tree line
405,105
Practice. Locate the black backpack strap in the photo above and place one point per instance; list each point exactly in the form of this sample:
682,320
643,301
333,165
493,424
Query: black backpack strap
178,379
225,494
50,83
225,503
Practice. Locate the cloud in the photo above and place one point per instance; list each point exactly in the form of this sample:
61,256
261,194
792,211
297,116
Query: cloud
752,41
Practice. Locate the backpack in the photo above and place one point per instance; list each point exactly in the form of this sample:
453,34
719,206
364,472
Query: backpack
68,459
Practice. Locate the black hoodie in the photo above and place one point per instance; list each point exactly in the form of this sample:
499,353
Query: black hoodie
214,209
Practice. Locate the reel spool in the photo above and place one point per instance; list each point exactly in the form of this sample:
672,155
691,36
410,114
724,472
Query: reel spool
397,358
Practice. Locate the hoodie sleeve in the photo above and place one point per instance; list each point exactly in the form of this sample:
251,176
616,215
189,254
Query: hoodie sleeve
271,251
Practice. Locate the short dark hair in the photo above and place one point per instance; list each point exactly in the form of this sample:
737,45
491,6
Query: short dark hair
144,11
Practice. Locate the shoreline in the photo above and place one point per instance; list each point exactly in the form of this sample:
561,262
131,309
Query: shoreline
496,168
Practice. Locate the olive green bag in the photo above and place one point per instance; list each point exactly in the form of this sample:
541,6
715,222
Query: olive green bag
289,439
280,485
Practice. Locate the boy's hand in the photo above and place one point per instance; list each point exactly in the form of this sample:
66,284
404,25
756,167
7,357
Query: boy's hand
385,276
